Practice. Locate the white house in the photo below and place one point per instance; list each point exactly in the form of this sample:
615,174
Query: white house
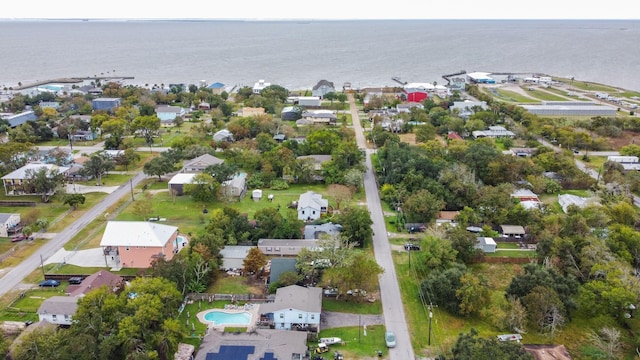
8,223
58,309
167,113
295,307
259,86
486,244
311,206
223,135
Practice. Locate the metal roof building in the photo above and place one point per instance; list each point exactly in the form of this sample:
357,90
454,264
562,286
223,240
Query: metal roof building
570,110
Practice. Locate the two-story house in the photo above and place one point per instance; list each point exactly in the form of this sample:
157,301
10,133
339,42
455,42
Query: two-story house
137,244
295,307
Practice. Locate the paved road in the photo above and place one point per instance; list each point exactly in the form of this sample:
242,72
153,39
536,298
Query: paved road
14,277
393,310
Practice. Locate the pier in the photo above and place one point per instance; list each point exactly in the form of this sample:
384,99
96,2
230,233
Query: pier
72,80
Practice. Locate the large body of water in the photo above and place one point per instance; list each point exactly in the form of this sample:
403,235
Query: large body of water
297,55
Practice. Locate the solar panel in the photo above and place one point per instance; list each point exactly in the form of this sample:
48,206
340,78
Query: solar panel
228,352
268,356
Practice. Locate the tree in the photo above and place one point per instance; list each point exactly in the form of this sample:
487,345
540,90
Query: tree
128,157
608,341
41,343
464,242
254,261
43,181
341,193
358,271
356,225
158,166
143,207
437,254
147,126
545,308
97,166
202,188
474,294
422,206
442,286
74,200
469,346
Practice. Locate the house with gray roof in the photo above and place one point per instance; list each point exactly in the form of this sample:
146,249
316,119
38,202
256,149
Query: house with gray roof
223,135
317,231
311,206
233,256
236,187
278,266
295,307
58,309
167,114
285,247
95,281
322,88
198,164
16,120
261,344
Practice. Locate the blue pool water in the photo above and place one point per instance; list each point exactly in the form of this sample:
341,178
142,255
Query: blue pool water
223,318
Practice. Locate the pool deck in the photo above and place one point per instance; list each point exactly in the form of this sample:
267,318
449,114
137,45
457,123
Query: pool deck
252,309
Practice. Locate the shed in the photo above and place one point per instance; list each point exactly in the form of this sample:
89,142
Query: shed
486,244
256,194
177,182
512,230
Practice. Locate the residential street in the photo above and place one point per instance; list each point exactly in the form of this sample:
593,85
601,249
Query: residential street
14,277
393,310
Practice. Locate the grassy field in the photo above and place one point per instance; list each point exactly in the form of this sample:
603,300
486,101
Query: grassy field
364,308
544,95
356,344
510,96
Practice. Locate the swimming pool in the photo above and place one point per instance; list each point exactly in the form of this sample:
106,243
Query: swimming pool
225,318
180,241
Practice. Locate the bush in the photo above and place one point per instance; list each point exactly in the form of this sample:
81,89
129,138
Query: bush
255,181
30,216
279,184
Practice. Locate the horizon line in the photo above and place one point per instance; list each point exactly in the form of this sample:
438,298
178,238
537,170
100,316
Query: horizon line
87,19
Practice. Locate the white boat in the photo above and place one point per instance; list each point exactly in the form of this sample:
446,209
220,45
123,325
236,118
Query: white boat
331,340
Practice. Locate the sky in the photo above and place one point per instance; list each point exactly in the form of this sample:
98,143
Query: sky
319,10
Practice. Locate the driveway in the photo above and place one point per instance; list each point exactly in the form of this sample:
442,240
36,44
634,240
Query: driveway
331,319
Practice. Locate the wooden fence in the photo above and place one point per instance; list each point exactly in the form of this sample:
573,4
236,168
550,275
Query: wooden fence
229,297
8,203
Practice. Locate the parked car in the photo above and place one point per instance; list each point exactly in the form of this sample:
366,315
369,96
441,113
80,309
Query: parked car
75,280
390,339
49,283
18,238
331,292
410,247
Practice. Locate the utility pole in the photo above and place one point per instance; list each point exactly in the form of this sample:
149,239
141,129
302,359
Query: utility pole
131,185
430,317
42,265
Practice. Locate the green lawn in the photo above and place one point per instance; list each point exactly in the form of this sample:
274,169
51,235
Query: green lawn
511,96
544,95
331,304
512,254
356,344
